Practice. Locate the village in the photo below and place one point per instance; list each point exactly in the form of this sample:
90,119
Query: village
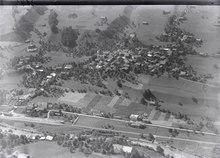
103,94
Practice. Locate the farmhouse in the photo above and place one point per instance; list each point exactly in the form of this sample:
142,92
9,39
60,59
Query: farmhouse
145,23
53,74
32,48
42,138
20,155
165,12
134,117
68,67
49,138
118,149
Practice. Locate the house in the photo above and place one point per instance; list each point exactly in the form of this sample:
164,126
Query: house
49,77
57,114
42,138
165,12
132,35
21,155
58,68
49,138
182,73
184,38
32,48
96,112
127,149
68,67
39,70
145,23
118,149
53,74
104,18
134,117
152,102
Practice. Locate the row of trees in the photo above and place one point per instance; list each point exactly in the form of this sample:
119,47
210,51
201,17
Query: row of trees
53,22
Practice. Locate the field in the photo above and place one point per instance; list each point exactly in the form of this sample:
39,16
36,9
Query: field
53,151
173,91
72,97
157,21
9,82
121,126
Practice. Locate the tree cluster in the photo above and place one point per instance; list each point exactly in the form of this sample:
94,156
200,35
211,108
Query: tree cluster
69,37
53,22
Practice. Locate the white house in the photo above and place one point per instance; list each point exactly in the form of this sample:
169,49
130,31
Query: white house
49,138
134,117
42,138
21,155
127,149
68,67
53,74
118,149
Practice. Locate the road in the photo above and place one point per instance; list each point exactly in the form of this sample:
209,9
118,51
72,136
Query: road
156,136
133,134
149,125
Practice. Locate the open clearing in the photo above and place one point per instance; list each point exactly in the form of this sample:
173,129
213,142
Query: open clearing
72,97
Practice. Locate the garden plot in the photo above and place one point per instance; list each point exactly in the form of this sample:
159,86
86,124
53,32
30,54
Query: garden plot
87,99
113,101
72,97
102,105
125,102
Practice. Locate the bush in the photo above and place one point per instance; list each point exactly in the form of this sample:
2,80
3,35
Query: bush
119,84
160,150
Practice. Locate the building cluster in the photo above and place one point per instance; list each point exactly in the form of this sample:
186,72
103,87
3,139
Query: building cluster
139,120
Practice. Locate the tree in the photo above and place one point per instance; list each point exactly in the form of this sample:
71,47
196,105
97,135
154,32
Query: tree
148,95
143,101
170,130
119,84
195,100
160,150
69,37
53,21
97,30
3,143
1,135
151,137
136,154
